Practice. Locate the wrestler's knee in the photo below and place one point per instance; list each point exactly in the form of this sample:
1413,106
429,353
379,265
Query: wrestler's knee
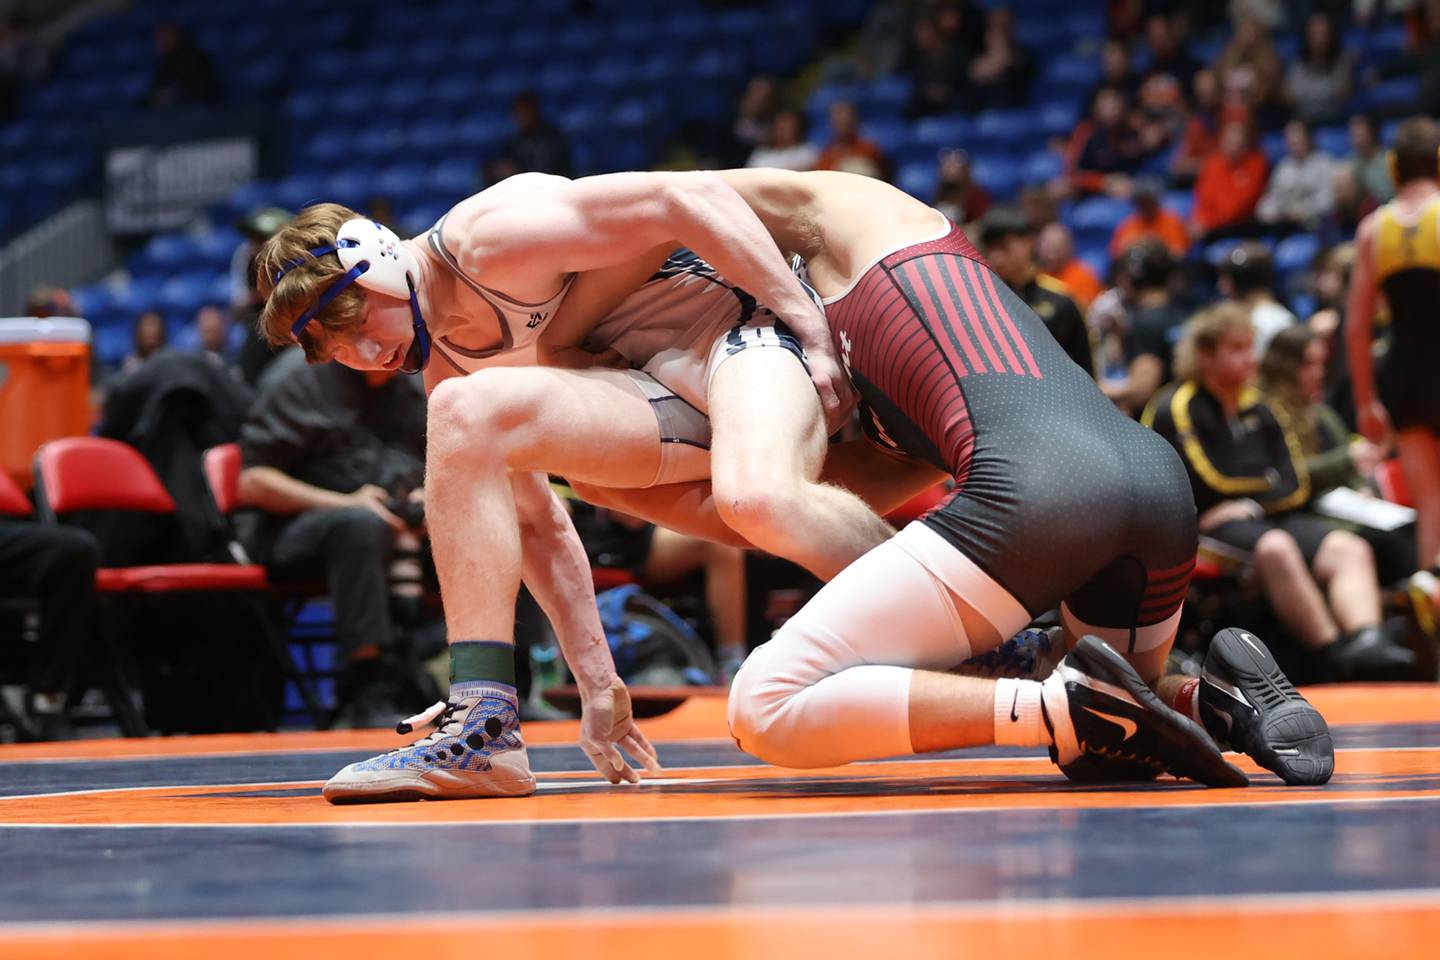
474,417
761,711
760,505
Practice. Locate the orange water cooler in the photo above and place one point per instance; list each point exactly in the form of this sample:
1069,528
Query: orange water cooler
44,387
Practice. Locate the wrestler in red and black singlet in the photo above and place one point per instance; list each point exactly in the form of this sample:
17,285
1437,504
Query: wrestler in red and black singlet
1060,496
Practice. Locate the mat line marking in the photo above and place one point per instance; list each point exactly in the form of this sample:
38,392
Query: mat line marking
670,818
1257,904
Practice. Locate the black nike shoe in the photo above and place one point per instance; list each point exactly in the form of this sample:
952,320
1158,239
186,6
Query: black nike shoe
1247,704
1108,725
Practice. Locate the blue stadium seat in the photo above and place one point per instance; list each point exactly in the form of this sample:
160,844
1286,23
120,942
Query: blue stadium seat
431,136
1216,252
330,145
1080,73
1273,143
1059,119
1043,166
1333,140
891,136
354,186
186,293
380,142
1296,252
454,178
945,130
886,96
402,181
1399,92
112,343
1104,213
91,300
165,254
214,248
1180,201
299,190
1000,175
920,180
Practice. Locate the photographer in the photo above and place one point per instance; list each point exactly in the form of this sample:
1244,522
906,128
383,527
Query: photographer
335,460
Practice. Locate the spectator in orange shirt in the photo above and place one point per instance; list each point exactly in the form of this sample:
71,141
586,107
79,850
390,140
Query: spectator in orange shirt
1211,111
1105,150
848,151
1055,251
1150,219
1230,185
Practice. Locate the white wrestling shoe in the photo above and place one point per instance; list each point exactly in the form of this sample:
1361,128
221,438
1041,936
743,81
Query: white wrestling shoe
474,751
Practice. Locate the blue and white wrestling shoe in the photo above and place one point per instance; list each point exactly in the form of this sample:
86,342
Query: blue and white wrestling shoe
474,751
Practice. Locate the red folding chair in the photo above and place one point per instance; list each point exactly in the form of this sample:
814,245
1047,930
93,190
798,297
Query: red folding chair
1390,478
90,473
13,502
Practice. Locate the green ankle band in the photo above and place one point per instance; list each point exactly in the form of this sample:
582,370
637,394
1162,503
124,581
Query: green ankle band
482,660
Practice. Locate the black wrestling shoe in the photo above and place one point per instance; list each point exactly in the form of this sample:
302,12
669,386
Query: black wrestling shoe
1247,704
1108,725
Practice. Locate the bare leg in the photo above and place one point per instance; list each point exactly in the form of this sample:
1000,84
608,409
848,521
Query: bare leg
1345,569
769,444
593,424
675,555
883,480
1420,458
1281,570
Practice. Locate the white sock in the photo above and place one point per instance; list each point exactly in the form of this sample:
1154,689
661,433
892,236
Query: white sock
1019,718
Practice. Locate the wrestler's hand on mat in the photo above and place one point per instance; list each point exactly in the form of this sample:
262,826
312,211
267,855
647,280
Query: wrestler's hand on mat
606,726
374,499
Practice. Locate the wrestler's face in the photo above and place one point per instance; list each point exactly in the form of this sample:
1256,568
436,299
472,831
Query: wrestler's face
382,341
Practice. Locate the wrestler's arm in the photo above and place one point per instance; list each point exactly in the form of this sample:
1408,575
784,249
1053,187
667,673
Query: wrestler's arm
601,221
1374,422
556,570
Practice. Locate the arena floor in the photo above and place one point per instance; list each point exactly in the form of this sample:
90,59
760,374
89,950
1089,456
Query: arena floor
220,847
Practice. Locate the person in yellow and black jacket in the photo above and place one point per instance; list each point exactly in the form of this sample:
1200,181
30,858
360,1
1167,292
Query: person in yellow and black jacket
1250,482
1398,262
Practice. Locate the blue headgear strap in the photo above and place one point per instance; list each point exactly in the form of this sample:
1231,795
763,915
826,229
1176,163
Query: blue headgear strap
422,332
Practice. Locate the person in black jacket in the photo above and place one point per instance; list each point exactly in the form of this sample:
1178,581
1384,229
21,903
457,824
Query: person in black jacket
1250,483
1007,239
335,458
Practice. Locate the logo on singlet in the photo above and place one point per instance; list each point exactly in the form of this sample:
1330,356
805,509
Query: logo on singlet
536,319
845,352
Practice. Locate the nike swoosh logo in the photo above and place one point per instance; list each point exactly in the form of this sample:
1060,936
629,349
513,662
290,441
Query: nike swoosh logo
1128,726
1014,717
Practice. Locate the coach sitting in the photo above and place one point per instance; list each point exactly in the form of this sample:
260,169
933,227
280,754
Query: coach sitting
335,460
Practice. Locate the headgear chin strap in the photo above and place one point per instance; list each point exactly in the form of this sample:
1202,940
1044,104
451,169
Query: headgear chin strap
373,257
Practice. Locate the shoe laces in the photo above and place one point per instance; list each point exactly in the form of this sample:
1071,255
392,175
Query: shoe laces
442,714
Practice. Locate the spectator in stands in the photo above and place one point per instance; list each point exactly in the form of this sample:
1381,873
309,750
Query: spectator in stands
1250,62
754,118
786,147
848,150
1208,115
958,196
185,75
1151,219
1318,84
1369,160
1168,56
1039,204
335,459
1008,241
255,227
47,301
1247,278
1001,73
1292,378
1116,71
150,337
884,38
1105,150
937,67
1230,185
1300,192
538,145
55,567
213,325
1349,205
1153,325
1055,252
1249,487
